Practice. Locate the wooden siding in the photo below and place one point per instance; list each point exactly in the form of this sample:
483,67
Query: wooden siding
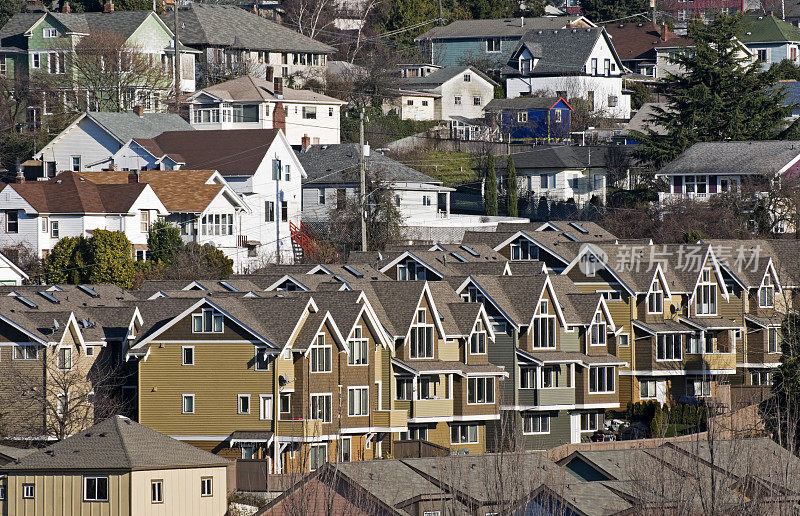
63,494
181,492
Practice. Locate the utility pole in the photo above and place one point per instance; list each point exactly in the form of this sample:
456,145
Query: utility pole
362,166
441,17
177,61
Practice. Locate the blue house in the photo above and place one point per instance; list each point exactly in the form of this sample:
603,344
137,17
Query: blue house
530,119
486,44
771,39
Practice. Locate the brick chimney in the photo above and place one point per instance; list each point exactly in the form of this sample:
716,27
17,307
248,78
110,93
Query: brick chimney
665,33
139,110
108,7
65,8
278,86
270,74
305,142
279,117
133,176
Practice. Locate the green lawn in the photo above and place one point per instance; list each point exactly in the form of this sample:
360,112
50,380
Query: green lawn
452,168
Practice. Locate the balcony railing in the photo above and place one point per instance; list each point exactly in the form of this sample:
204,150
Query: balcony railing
710,361
300,428
431,408
390,418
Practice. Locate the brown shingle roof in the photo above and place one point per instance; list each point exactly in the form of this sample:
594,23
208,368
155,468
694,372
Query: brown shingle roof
68,192
179,190
253,88
232,153
639,40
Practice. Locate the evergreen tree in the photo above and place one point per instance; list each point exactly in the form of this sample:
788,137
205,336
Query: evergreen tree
542,210
784,418
490,195
719,96
408,13
109,255
63,264
603,10
511,188
164,240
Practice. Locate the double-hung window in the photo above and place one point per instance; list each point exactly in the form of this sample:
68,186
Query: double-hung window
54,229
357,401
463,434
647,389
655,299
64,359
318,456
598,330
668,346
551,376
206,486
243,404
589,421
321,355
265,406
209,321
527,377
601,379
766,293
321,407
544,327
12,221
422,335
188,404
772,341
156,491
359,348
480,390
535,424
404,389
706,295
698,387
95,489
261,359
477,342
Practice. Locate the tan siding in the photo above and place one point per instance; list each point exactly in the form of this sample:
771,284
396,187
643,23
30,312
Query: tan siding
57,495
181,492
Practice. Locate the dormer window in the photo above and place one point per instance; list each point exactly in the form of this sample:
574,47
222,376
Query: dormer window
524,250
598,331
766,293
410,271
321,355
421,336
209,321
706,295
544,327
477,345
655,299
525,65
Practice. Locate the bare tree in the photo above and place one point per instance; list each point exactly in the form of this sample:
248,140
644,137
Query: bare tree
310,17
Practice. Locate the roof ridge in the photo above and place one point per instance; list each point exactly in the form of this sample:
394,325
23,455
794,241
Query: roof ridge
122,442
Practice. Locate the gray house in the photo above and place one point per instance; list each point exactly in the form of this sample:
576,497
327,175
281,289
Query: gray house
333,178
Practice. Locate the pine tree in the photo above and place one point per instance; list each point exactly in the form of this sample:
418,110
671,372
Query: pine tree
511,188
719,96
490,194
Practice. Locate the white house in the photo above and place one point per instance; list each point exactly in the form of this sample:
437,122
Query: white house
10,274
332,177
570,63
258,165
427,92
252,103
200,203
38,214
91,140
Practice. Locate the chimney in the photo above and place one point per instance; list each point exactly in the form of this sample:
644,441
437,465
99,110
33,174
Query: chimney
65,8
665,33
133,176
279,117
278,86
20,174
108,7
139,110
270,74
305,142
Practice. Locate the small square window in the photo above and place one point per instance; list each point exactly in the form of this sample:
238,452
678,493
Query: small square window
206,486
28,490
95,489
244,404
188,355
467,77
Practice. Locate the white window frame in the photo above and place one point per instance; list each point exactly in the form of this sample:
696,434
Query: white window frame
481,390
667,342
553,372
183,355
69,358
544,327
773,332
358,407
95,498
311,456
265,411
529,374
766,293
457,100
592,420
597,331
421,332
342,448
206,486
321,196
215,318
25,351
655,296
359,348
184,397
260,351
705,387
320,346
157,490
406,392
522,117
495,46
530,428
705,302
239,399
456,427
595,384
49,33
477,341
648,389
28,490
327,407
626,337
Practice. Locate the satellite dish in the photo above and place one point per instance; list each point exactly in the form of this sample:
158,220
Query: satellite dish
55,325
380,256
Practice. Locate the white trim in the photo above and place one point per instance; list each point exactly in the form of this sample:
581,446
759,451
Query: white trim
677,372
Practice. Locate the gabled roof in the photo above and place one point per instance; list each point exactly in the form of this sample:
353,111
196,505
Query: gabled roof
126,125
232,153
249,88
205,25
500,27
69,192
524,103
767,29
643,119
639,41
180,190
116,443
336,164
767,157
561,157
439,77
557,52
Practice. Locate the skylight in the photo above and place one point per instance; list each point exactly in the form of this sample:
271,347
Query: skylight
458,256
579,227
470,250
228,286
570,236
353,271
25,301
88,290
50,297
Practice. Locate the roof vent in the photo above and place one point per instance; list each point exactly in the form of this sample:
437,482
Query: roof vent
538,32
555,32
574,31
